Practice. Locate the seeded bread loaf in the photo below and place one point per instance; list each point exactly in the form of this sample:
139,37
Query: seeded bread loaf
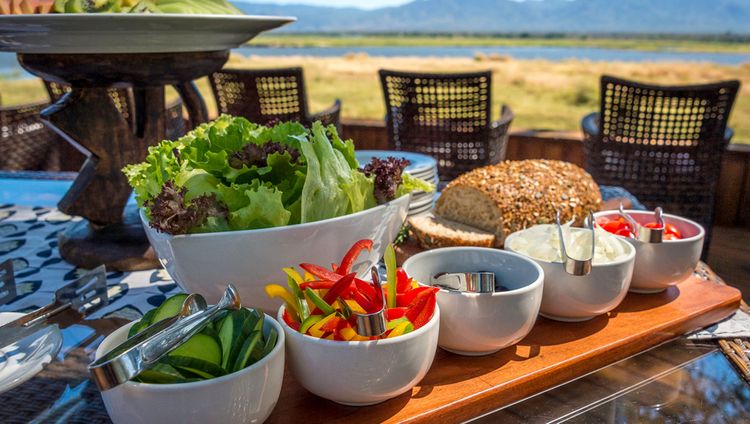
514,195
433,232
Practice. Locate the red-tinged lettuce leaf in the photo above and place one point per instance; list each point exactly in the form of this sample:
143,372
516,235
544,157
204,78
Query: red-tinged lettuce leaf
387,176
171,213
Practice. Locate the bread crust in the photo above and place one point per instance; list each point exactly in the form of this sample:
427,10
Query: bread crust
523,193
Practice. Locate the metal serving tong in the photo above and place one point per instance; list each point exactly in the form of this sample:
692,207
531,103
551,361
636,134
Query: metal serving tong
373,324
470,282
143,350
81,297
576,266
646,234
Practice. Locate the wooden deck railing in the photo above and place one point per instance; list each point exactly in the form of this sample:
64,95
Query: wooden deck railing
732,199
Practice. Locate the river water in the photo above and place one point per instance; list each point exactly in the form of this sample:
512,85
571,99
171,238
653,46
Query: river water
9,67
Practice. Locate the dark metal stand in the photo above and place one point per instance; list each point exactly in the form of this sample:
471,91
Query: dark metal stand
111,234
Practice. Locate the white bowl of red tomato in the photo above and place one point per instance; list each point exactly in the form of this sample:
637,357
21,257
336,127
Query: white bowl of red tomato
658,266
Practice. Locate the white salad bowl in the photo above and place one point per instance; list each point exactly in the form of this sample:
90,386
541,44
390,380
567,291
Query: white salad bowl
361,373
250,259
245,396
479,324
573,298
661,265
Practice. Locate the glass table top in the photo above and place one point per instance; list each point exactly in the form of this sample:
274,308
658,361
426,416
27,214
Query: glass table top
677,382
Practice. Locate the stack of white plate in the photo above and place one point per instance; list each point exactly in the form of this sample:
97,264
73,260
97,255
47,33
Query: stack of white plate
420,166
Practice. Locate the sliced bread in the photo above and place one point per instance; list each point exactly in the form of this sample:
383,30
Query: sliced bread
432,232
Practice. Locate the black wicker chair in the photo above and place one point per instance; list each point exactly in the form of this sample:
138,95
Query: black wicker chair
123,101
447,116
25,142
267,95
663,144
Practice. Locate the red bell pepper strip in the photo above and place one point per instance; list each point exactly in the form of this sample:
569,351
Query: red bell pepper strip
403,284
332,324
394,313
324,274
346,263
337,290
363,301
289,321
405,299
317,285
420,312
320,272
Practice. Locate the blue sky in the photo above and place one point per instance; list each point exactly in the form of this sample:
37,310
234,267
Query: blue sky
362,4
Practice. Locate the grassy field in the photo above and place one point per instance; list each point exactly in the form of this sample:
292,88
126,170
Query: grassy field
635,43
543,94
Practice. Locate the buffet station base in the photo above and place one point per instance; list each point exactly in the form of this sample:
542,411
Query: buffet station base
458,388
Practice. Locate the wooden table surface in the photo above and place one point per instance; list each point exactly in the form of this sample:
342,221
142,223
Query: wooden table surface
458,388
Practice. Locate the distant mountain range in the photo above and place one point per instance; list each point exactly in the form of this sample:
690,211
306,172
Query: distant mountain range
510,16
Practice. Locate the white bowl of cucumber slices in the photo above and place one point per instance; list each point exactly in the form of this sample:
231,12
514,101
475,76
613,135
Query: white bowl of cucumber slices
246,395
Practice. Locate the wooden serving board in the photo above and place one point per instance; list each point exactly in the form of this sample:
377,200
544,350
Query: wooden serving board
458,388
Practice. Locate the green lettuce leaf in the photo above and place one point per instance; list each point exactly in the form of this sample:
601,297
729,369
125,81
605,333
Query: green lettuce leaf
264,209
411,184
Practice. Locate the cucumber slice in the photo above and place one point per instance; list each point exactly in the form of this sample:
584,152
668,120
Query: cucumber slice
200,346
144,322
231,335
271,340
234,333
169,307
163,374
253,343
197,366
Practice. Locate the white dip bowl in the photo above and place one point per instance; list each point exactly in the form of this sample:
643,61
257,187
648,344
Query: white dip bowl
479,324
661,265
245,396
361,373
573,298
250,259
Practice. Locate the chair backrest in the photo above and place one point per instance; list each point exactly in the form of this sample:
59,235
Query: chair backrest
121,98
446,116
663,144
261,95
25,142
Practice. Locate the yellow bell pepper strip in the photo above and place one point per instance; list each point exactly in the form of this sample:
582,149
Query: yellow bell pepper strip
321,306
347,333
302,308
401,329
390,325
291,272
275,290
356,307
390,268
348,261
315,330
309,322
